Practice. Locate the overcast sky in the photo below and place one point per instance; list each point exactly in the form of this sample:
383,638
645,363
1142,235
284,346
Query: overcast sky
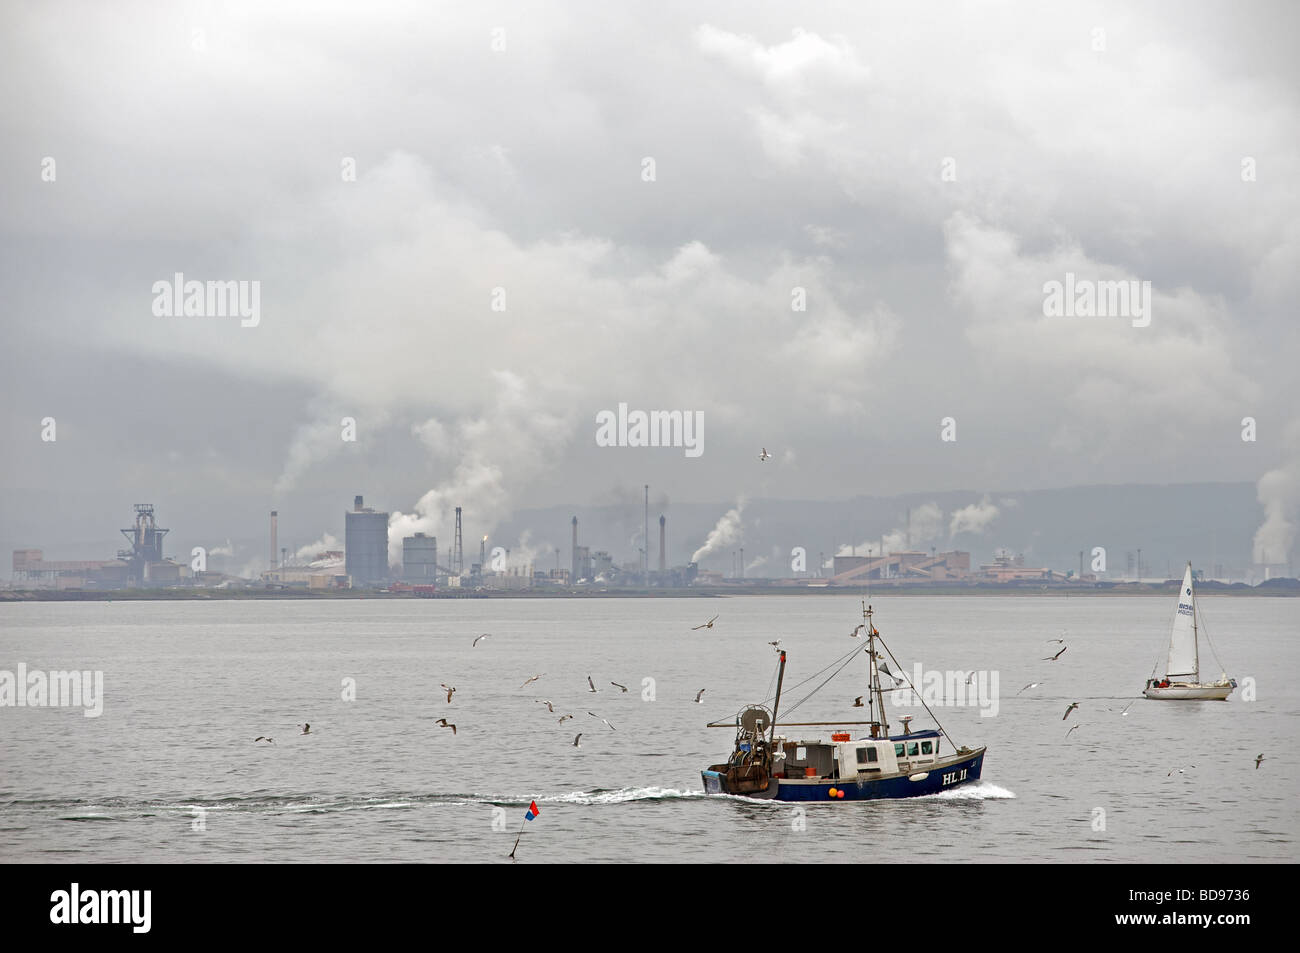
920,174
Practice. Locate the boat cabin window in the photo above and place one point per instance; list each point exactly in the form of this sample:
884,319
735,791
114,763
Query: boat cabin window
868,755
800,753
912,749
898,750
927,747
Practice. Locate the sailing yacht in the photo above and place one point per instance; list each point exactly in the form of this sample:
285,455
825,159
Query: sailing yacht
1182,678
876,764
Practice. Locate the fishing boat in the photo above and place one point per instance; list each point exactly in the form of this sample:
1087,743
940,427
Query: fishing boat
875,764
1182,678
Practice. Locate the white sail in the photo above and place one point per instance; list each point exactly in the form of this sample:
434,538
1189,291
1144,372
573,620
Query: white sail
1182,645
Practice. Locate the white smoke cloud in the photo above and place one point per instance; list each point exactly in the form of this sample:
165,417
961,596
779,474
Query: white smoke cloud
975,518
926,527
1279,491
726,532
327,543
497,455
226,550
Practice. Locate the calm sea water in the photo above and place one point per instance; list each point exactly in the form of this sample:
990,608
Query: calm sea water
189,685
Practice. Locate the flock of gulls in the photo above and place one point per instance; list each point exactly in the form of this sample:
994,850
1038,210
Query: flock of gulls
305,729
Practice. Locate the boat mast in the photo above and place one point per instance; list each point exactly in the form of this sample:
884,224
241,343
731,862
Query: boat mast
877,696
780,677
1196,641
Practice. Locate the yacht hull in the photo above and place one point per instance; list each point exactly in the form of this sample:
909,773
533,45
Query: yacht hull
1190,693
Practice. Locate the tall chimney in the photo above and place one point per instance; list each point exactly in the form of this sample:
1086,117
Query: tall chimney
663,558
275,551
573,575
357,503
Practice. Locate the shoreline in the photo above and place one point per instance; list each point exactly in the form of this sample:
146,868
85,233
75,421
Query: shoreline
1163,590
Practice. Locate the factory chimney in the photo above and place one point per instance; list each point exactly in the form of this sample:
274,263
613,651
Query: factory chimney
460,549
573,575
357,504
663,559
275,517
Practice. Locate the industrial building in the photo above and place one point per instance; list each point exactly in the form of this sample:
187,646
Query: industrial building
143,566
905,566
365,543
420,559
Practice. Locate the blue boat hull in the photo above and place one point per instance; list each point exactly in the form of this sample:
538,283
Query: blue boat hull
951,775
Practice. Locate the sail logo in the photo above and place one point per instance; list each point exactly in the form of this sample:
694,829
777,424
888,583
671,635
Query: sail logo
1184,609
37,689
655,428
949,689
1085,298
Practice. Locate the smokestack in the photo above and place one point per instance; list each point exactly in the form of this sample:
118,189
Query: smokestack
573,574
357,504
275,517
460,549
663,559
645,535
482,556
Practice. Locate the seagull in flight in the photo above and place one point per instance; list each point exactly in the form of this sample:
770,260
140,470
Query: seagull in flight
306,729
564,718
1260,757
607,724
577,740
1073,706
1029,686
531,680
1180,771
450,691
698,696
858,631
857,702
764,455
970,677
481,638
269,740
444,723
617,685
1057,655
1067,734
591,686
549,706
707,625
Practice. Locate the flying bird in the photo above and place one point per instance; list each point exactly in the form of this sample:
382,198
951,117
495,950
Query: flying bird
444,723
969,677
306,729
617,685
764,455
707,625
1073,706
450,691
591,686
549,706
857,702
481,638
531,680
1057,655
777,642
698,696
1258,759
607,724
1029,686
577,739
564,718
1180,771
1058,641
1067,734
856,632
272,741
